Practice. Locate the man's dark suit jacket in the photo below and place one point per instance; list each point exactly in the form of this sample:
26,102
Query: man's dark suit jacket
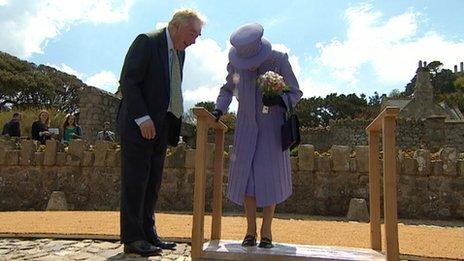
145,87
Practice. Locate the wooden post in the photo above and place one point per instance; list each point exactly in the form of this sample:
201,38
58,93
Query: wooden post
374,191
389,186
199,189
217,185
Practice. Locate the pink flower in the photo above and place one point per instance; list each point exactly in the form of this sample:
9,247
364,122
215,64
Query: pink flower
271,83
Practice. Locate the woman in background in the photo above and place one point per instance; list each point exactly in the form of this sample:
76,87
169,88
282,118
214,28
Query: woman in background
70,129
40,127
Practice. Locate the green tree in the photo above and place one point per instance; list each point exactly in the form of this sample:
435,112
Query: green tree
208,105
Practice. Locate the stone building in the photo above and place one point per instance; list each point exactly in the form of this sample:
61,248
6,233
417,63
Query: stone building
422,105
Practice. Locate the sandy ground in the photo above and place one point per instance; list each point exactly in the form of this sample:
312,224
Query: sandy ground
419,238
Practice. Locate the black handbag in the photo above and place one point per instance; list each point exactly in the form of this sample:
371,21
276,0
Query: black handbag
290,130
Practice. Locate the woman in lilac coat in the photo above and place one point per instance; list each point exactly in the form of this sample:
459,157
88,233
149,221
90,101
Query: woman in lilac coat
259,174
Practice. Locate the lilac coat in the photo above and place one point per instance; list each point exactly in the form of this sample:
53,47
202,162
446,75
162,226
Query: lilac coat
258,166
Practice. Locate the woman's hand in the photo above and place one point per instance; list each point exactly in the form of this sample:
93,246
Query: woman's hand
217,114
273,100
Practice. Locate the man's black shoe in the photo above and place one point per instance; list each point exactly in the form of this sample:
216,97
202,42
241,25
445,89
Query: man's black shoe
157,242
141,247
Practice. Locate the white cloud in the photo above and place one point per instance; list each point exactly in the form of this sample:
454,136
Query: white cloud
204,71
67,69
105,80
27,25
160,25
293,59
392,47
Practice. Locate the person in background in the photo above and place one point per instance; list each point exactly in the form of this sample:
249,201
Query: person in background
70,129
106,134
13,127
40,127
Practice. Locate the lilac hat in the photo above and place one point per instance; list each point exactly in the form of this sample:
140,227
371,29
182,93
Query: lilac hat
249,48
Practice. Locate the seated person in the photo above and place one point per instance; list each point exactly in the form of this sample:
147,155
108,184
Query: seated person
106,134
40,127
70,129
13,127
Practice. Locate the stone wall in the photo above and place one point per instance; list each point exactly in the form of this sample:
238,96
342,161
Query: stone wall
95,107
431,186
431,133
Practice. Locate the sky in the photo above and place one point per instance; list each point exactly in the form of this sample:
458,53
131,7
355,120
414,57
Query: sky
333,46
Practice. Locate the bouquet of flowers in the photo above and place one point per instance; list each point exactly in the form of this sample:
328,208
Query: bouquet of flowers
271,84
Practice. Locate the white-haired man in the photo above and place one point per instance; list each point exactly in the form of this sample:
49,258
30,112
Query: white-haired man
149,119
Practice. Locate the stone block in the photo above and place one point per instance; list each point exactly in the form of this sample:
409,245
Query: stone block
177,159
38,159
57,202
76,148
12,157
28,147
461,167
449,157
72,160
117,159
353,165
294,163
408,166
190,158
422,157
436,167
61,159
358,210
2,154
323,163
88,158
306,157
362,158
101,149
51,149
341,158
110,158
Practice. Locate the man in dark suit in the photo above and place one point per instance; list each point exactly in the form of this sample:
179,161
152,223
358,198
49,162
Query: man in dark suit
13,127
149,119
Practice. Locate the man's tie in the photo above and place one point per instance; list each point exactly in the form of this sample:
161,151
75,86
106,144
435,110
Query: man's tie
176,102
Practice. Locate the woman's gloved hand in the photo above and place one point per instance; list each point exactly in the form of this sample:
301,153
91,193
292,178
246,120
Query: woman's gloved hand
273,100
217,114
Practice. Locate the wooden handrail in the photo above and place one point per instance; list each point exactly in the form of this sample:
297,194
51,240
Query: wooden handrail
201,112
385,122
205,121
376,124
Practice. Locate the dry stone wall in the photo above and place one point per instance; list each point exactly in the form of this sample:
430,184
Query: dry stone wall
95,107
430,186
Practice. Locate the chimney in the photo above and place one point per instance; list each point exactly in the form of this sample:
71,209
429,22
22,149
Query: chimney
455,69
462,66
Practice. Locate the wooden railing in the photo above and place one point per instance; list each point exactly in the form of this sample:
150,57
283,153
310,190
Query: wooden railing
205,121
385,122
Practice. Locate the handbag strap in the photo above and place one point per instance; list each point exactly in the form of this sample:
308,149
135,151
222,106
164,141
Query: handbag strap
289,103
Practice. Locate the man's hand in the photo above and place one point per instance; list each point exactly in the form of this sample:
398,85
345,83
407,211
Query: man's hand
217,114
148,130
